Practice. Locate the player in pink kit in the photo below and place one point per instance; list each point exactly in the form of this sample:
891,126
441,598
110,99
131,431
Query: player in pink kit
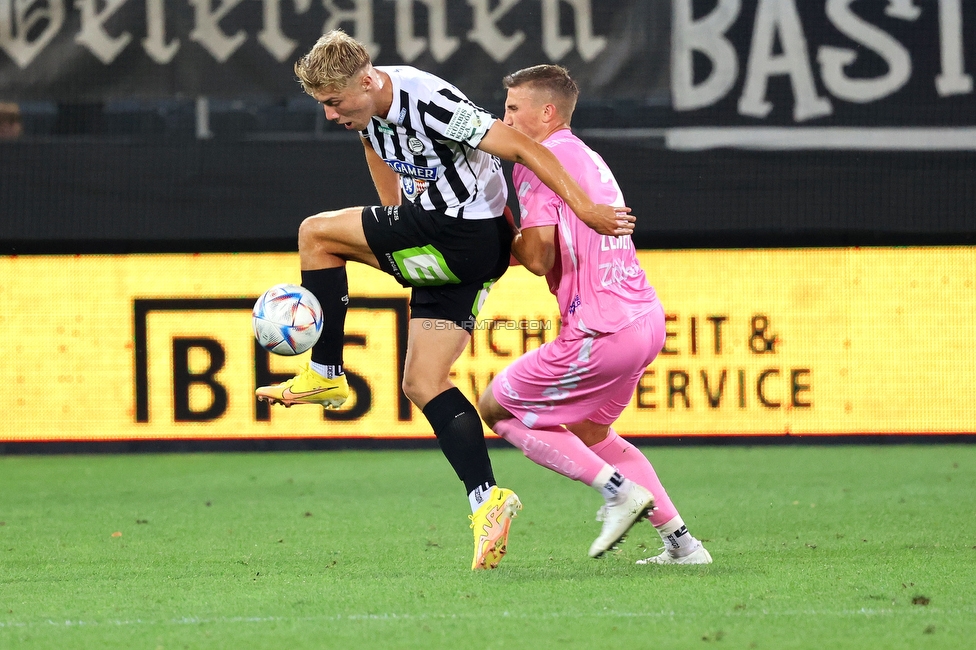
556,403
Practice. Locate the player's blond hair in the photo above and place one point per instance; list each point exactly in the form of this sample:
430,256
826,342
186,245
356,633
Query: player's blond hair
552,79
332,62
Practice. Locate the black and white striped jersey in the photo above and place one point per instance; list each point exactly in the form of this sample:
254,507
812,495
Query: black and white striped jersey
429,138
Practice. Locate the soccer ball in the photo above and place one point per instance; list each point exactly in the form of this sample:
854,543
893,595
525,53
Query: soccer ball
287,319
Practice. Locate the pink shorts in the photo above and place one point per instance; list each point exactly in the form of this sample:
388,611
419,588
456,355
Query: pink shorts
592,378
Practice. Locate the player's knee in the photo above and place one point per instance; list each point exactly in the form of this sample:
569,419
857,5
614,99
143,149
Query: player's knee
309,233
486,410
409,388
590,433
418,390
319,229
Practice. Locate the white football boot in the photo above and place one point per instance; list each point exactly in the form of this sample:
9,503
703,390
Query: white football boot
618,515
699,556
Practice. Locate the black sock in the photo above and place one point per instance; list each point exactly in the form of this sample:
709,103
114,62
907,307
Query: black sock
461,437
332,290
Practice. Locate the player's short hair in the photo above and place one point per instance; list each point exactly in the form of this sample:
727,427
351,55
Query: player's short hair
553,79
334,59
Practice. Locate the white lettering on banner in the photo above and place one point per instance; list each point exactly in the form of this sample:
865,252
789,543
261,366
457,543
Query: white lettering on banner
904,9
271,36
704,36
207,31
780,19
93,34
555,45
28,26
833,60
779,22
952,81
155,43
409,45
486,34
21,20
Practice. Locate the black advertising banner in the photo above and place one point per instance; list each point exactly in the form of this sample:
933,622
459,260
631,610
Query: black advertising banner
892,63
90,50
834,74
833,62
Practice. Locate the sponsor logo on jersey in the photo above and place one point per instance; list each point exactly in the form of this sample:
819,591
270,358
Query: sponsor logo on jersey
385,128
393,268
406,169
465,122
575,304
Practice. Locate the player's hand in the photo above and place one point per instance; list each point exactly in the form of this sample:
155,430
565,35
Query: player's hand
610,220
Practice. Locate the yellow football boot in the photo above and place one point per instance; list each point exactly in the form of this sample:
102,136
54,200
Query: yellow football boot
491,523
307,387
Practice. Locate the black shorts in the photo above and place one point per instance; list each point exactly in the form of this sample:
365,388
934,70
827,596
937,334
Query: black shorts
448,263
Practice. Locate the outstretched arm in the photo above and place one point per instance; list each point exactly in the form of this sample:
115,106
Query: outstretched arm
509,144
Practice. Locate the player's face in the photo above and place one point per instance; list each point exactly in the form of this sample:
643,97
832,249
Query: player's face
524,111
351,107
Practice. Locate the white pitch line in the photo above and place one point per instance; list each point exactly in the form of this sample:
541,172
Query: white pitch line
822,138
392,616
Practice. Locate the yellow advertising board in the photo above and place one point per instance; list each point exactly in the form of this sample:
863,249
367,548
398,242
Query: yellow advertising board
760,342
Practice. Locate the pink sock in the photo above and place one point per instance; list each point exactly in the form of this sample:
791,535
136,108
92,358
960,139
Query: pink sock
554,448
630,462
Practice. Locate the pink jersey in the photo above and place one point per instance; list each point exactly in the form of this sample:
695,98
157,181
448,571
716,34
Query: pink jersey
597,280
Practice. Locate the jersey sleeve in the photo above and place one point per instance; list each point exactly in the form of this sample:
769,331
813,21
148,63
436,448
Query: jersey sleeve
455,118
538,205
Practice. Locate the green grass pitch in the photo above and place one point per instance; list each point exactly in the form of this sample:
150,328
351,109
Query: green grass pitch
814,547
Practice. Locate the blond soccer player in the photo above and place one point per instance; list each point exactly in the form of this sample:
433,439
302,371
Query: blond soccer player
434,159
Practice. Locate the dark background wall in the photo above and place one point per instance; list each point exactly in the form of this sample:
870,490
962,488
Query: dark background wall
113,157
90,195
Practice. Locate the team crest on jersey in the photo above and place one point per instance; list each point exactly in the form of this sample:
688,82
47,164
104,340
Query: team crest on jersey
412,187
415,145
